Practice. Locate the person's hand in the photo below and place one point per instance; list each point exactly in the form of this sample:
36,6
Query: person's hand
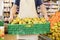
11,18
46,17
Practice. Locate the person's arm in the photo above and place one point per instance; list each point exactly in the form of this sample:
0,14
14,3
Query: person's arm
12,12
14,9
42,7
44,11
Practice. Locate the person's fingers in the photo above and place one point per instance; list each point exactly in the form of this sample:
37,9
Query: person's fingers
10,19
46,17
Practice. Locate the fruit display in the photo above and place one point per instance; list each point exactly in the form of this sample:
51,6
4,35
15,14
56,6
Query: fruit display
17,20
55,18
1,33
28,26
55,26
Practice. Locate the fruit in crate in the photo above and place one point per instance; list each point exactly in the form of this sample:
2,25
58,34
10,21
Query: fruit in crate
40,22
29,21
22,22
15,21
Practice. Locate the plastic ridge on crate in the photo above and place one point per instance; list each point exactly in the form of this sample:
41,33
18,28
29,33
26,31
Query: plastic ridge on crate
1,23
24,29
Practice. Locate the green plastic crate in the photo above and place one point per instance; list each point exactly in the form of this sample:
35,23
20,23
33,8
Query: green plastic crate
1,23
24,29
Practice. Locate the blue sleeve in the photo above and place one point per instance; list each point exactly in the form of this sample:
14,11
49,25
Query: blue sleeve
38,2
17,2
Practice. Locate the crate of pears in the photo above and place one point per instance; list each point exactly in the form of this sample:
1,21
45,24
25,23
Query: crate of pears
28,26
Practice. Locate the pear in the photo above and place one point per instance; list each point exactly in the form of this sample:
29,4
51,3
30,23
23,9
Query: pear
14,22
35,19
59,24
22,22
55,24
17,19
43,19
29,22
55,27
40,22
35,22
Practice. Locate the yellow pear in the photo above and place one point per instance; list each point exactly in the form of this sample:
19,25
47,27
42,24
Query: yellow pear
25,19
35,22
55,24
18,19
22,22
43,19
35,19
29,22
14,22
58,24
40,22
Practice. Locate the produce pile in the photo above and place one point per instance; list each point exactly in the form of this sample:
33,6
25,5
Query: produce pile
1,34
55,26
17,20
